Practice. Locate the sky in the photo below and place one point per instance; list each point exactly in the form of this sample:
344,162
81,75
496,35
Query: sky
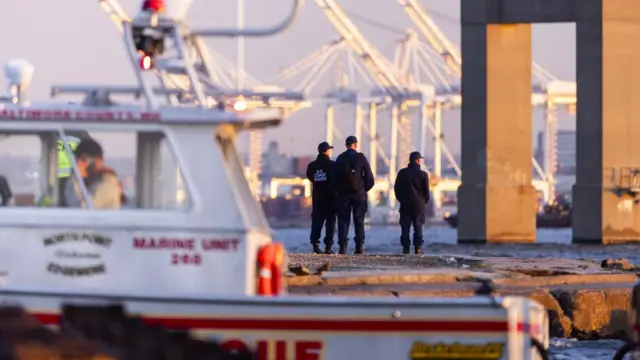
73,42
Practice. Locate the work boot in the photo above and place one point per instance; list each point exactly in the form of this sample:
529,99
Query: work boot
328,250
343,249
418,250
406,250
316,249
359,249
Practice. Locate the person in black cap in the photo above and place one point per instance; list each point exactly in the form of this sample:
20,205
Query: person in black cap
412,191
352,180
323,212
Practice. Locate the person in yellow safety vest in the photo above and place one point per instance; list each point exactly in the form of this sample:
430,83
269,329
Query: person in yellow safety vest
65,169
64,162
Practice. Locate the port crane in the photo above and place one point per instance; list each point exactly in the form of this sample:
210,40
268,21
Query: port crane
548,91
339,57
383,72
449,52
413,59
390,89
174,66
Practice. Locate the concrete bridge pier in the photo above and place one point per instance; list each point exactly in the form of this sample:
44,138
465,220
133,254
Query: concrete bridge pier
608,121
496,200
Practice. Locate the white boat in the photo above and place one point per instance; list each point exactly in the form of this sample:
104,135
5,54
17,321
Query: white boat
196,268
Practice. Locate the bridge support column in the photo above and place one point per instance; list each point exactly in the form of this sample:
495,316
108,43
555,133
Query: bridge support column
496,201
608,123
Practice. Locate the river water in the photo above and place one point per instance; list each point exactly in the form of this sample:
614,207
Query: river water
442,240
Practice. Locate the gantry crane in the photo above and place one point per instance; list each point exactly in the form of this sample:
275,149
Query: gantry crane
171,60
446,49
394,87
414,59
418,60
339,57
383,73
543,81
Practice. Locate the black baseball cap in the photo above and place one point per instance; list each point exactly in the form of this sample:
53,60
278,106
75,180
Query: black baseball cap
351,140
415,156
324,146
88,147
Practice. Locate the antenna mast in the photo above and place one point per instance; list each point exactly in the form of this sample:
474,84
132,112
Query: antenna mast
174,67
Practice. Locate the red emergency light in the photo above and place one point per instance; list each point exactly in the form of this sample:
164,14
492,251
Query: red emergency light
146,62
156,6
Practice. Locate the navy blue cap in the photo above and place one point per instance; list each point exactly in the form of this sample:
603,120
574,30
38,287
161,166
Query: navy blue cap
323,147
351,140
415,156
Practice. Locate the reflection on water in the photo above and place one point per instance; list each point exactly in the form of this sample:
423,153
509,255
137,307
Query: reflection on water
569,349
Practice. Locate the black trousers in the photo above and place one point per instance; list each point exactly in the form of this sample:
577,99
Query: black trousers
351,206
320,217
406,222
62,184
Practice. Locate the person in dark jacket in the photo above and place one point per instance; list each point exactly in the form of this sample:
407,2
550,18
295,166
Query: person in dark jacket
412,191
352,180
5,191
323,212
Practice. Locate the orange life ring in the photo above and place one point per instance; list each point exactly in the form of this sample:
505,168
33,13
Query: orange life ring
270,261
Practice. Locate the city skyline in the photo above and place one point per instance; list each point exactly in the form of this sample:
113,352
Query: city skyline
77,44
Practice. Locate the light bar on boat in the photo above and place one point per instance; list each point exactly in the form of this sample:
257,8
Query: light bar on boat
156,6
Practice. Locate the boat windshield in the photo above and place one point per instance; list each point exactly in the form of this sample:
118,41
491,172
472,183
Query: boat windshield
39,165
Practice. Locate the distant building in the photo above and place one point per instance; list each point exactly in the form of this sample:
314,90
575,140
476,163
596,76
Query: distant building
538,153
566,151
300,165
275,163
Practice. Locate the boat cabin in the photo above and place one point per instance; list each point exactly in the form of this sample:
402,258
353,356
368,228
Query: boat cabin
190,224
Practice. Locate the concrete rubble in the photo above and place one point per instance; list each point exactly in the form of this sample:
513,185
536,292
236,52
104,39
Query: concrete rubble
586,300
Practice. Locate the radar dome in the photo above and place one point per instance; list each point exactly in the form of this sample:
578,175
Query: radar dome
19,73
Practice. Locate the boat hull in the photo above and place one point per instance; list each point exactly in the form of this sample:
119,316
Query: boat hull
319,328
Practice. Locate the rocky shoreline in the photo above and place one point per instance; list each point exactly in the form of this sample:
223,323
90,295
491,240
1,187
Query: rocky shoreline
587,300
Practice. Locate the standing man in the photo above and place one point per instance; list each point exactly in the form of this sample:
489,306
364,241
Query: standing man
353,179
412,191
5,191
319,172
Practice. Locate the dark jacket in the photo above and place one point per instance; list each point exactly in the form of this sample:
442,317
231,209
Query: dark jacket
412,190
5,191
362,166
104,188
320,173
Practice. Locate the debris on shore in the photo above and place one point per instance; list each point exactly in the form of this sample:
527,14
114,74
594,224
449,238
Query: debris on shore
586,299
